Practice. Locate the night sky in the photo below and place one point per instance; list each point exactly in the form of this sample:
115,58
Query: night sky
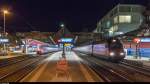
46,15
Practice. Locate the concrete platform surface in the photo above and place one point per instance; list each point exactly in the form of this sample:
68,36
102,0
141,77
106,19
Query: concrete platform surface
77,72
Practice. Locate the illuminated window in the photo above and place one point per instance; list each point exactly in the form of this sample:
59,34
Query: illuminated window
116,19
114,28
148,17
108,24
125,18
111,29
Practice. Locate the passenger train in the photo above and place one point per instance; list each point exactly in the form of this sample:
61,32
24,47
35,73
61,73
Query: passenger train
110,49
44,49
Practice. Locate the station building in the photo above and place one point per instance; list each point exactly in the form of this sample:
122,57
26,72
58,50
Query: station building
122,19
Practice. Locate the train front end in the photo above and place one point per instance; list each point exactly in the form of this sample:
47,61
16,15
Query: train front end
116,51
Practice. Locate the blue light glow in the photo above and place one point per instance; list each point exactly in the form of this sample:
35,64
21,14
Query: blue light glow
4,40
145,39
66,40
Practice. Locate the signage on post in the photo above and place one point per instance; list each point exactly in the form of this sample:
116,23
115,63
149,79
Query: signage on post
145,39
4,40
66,40
137,40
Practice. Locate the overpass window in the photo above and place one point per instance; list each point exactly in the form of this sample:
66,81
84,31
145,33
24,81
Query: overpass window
108,24
125,18
114,28
116,19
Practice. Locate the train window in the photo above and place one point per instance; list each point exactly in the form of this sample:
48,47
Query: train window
116,45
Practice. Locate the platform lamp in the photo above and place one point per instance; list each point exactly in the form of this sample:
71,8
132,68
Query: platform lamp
5,12
63,53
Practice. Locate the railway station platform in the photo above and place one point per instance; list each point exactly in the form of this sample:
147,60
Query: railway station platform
74,70
144,60
140,59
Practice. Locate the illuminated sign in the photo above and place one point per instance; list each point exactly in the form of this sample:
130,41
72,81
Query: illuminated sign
66,40
67,44
145,39
119,32
4,40
137,40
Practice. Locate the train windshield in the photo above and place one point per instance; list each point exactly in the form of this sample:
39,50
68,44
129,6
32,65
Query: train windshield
115,44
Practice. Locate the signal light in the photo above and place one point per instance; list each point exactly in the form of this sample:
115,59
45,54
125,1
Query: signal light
136,40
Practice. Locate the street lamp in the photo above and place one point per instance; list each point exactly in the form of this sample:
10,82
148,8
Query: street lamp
92,43
137,41
62,25
4,13
63,54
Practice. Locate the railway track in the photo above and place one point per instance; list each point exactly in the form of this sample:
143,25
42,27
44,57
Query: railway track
17,75
106,73
139,69
131,73
16,72
14,60
136,64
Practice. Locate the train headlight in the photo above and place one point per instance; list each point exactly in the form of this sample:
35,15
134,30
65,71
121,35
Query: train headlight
122,53
112,53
